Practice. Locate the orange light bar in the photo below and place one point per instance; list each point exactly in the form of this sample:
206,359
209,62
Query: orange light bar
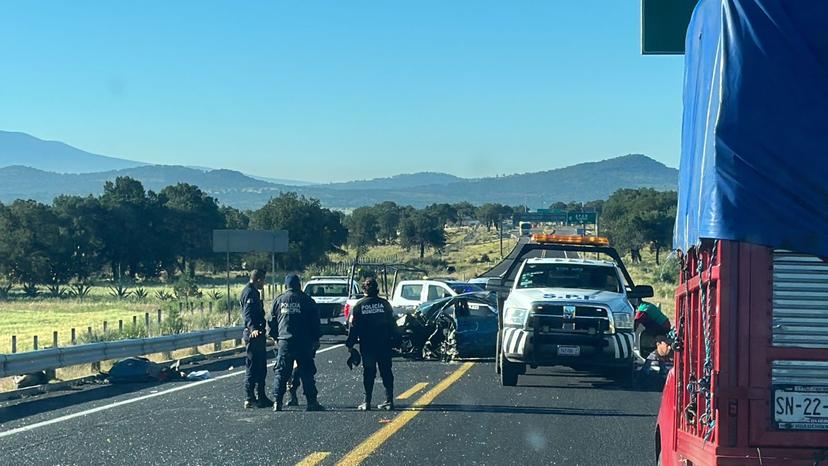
571,239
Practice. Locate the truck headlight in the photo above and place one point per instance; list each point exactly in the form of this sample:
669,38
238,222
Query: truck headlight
515,316
622,320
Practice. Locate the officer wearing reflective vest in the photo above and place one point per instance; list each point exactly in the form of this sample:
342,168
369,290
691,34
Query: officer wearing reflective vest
255,340
294,324
373,327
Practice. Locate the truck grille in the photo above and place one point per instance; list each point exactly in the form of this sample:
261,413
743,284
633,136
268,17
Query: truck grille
554,319
800,300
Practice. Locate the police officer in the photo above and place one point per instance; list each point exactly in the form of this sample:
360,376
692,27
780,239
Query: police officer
294,324
373,327
255,340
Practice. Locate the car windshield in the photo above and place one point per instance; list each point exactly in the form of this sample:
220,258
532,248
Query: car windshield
581,276
321,290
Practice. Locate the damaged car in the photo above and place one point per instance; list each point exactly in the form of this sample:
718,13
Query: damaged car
462,326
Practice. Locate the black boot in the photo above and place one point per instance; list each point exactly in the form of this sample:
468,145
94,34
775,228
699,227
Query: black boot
313,405
277,405
263,401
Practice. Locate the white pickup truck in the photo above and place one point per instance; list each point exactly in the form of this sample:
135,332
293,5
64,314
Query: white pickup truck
331,295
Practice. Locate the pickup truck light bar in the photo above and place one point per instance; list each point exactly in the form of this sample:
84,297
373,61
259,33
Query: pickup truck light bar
570,239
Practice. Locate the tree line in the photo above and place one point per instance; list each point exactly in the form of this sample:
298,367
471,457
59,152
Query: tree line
129,231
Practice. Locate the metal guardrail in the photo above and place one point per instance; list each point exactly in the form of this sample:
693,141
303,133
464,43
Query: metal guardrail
53,358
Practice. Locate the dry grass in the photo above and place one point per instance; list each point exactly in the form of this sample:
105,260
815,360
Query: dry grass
648,273
26,319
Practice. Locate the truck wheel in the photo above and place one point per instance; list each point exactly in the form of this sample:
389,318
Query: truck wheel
509,372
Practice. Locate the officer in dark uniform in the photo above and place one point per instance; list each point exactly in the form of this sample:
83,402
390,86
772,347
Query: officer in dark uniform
255,340
294,324
373,327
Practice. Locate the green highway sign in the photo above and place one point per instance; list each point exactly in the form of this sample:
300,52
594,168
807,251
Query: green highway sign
581,218
664,25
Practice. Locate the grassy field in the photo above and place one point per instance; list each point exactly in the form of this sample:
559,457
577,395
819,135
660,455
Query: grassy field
467,250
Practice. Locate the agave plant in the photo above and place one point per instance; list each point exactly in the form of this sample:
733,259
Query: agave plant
31,290
120,291
56,290
5,290
163,295
215,295
79,290
140,293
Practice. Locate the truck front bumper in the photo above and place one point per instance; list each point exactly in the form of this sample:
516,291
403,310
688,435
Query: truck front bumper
566,349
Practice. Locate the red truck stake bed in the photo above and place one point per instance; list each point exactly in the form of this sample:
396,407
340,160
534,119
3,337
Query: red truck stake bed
750,381
760,340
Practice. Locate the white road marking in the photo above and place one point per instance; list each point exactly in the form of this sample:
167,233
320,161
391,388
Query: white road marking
132,400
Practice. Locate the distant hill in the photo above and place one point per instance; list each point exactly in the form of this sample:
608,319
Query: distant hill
581,182
410,180
54,156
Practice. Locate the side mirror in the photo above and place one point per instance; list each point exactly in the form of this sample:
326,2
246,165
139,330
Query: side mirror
641,291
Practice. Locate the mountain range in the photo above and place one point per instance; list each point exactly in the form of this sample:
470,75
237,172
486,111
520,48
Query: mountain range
41,170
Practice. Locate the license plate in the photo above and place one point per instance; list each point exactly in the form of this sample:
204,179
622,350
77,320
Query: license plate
801,408
569,350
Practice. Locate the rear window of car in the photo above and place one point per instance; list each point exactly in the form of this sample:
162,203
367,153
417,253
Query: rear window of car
321,290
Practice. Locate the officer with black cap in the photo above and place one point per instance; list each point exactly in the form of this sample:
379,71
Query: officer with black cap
373,327
255,339
294,324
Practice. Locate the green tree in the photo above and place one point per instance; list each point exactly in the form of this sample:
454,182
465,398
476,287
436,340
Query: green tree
635,218
314,231
422,229
465,210
130,224
191,215
445,213
234,219
82,220
388,215
32,244
363,227
491,214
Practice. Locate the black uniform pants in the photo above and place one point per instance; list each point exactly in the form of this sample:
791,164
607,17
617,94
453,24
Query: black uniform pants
371,361
301,354
255,365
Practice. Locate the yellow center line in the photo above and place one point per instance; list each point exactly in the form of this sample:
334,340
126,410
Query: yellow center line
411,391
314,458
372,443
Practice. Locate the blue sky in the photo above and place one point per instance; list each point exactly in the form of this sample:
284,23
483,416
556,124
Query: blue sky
338,90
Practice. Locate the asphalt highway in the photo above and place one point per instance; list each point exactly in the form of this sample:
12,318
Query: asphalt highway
454,413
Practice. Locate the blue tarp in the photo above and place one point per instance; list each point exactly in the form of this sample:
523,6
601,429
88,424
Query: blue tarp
754,155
